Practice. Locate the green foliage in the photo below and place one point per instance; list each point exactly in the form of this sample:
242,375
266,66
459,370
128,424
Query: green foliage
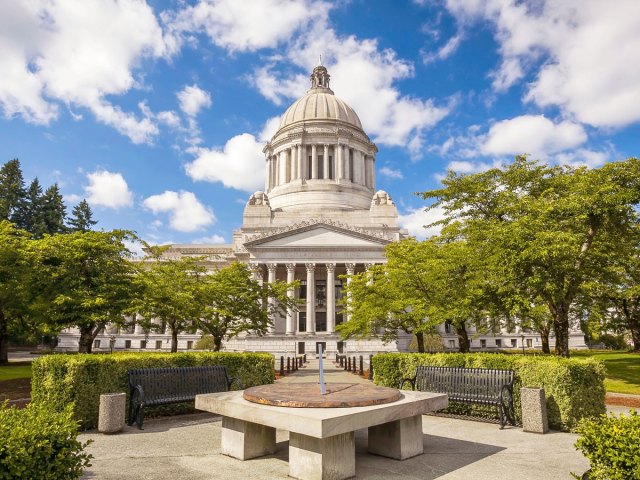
612,445
85,279
12,192
574,388
38,443
545,231
54,211
60,380
205,342
82,218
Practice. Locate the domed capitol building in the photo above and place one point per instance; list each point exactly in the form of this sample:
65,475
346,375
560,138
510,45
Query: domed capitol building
319,217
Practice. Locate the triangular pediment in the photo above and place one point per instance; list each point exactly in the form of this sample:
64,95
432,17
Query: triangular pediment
318,236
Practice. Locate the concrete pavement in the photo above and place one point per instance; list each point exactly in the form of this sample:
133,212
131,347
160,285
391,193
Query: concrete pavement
187,447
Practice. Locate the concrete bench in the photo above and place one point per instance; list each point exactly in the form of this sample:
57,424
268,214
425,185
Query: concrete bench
321,440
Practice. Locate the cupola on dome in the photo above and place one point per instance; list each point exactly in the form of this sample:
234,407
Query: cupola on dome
320,104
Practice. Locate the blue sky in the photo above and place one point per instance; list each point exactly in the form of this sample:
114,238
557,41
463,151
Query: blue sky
157,111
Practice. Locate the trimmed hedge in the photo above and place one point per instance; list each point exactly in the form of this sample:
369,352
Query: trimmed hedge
37,443
612,445
60,380
574,388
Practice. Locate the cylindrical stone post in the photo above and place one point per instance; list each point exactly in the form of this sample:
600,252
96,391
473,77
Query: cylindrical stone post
288,364
282,366
355,367
370,367
111,412
534,410
348,364
361,365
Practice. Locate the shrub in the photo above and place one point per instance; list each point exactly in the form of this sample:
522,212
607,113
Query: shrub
37,443
205,342
574,388
59,380
612,445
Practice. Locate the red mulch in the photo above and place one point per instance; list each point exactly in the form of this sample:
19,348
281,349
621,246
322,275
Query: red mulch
17,391
631,401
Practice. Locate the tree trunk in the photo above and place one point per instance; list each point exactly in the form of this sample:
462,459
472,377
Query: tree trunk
463,338
420,341
4,340
174,340
561,328
544,338
217,343
85,344
633,322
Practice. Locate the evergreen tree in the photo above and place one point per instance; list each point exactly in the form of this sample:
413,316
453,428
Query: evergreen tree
33,210
82,220
12,193
53,211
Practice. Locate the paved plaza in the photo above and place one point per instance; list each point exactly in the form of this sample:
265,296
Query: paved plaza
188,447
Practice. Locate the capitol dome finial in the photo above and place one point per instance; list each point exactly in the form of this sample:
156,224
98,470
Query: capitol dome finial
320,77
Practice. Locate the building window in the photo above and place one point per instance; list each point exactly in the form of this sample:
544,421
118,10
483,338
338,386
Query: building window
302,321
303,289
339,318
158,344
320,166
143,344
447,327
96,344
452,344
351,165
331,173
483,343
338,290
498,343
189,344
321,322
529,343
309,169
514,342
127,344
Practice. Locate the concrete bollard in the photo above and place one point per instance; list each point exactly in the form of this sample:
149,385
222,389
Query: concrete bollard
534,410
111,412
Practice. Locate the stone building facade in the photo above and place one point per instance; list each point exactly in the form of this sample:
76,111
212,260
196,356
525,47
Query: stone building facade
318,220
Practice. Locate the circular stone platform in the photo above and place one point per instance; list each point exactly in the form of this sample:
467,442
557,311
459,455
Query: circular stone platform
307,395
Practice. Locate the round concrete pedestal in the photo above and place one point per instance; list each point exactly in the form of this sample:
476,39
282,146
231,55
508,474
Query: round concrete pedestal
111,413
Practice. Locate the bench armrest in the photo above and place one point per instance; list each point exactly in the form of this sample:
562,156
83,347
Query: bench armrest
411,381
139,390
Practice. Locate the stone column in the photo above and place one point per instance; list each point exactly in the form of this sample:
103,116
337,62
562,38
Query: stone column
311,297
267,172
271,268
294,162
138,329
282,173
291,273
338,149
347,164
358,167
373,173
351,267
331,298
314,162
325,162
300,157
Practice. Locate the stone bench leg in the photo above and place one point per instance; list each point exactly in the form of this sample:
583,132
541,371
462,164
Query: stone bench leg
400,439
331,458
245,440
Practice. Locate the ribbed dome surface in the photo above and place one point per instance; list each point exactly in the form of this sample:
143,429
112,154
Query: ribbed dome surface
320,104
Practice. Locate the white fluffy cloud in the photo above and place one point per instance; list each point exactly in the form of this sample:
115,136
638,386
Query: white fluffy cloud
108,189
230,24
186,213
192,99
56,52
215,239
390,173
416,219
534,134
587,53
239,164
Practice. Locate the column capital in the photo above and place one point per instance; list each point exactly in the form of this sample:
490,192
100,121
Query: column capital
350,268
310,267
367,266
272,267
291,267
330,267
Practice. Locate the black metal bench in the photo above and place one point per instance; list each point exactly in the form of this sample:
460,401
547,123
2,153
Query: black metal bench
481,386
163,386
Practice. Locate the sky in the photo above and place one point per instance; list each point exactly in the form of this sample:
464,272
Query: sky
156,112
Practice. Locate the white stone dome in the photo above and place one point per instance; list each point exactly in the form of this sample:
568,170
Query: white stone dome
320,104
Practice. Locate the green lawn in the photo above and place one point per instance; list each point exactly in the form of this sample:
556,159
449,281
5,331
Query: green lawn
623,370
11,372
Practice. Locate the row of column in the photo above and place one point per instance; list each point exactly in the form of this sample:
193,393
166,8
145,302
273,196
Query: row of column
339,162
290,322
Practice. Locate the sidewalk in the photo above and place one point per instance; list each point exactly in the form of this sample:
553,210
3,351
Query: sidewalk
188,447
